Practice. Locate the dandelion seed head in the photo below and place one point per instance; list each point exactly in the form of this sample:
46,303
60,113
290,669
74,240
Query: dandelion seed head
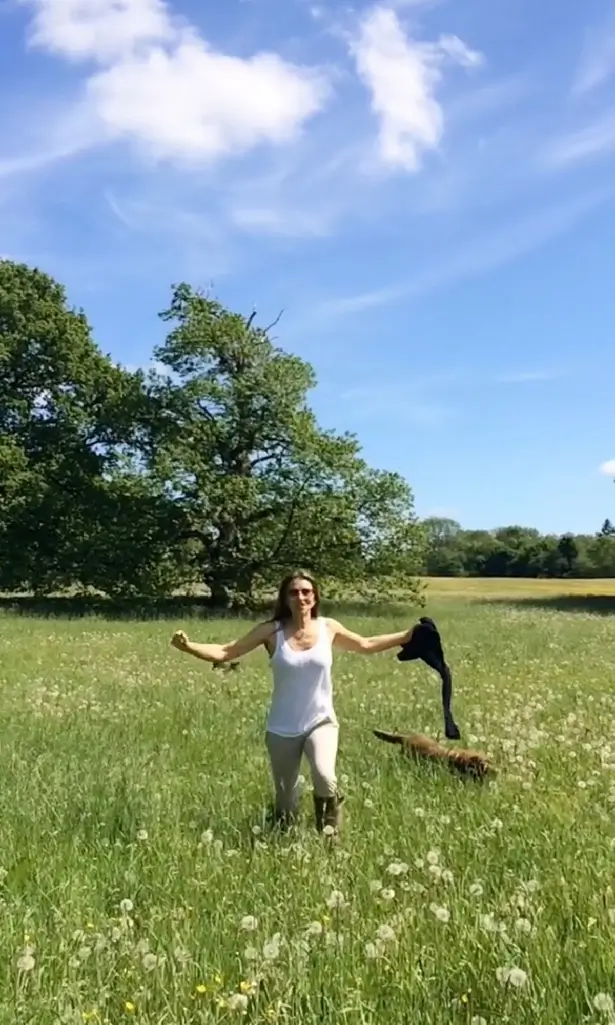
603,1003
513,976
249,923
336,899
441,913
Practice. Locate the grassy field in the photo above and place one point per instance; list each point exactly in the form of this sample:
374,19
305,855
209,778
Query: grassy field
138,883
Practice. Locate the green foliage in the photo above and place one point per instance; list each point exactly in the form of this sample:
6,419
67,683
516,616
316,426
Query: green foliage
516,552
258,485
212,469
65,409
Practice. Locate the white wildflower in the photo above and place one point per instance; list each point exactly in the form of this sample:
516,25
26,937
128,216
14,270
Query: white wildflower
238,1002
385,933
336,899
249,923
26,962
442,914
488,923
514,977
271,949
603,1002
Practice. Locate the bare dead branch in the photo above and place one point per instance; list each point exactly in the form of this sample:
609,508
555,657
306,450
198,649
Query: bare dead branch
274,322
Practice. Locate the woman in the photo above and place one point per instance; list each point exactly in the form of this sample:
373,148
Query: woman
301,717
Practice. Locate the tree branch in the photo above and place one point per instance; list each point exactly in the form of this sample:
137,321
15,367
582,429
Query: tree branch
273,322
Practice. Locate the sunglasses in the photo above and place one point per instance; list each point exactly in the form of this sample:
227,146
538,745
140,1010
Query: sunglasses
304,592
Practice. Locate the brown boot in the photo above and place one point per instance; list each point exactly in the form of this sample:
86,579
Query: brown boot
281,820
319,812
328,812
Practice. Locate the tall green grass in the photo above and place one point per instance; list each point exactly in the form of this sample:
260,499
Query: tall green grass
138,881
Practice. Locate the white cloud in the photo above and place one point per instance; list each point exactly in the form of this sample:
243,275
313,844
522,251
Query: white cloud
403,75
281,221
390,402
608,468
495,250
101,30
529,376
585,144
597,62
163,88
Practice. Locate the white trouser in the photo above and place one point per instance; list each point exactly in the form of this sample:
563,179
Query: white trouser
320,749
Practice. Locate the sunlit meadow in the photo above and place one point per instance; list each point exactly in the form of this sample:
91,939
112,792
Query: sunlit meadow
139,883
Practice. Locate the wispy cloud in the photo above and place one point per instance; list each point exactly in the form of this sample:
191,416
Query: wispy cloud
593,141
530,376
430,400
402,75
396,402
597,63
486,254
607,469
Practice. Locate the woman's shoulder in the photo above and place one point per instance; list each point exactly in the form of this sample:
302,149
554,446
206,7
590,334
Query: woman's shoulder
268,627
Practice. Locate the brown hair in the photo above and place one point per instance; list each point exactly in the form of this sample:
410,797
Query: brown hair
281,611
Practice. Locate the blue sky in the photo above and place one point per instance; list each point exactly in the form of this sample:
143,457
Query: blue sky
426,189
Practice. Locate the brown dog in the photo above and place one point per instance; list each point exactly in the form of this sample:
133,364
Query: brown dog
470,764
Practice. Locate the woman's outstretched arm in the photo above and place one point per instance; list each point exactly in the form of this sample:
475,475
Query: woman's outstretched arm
349,641
215,653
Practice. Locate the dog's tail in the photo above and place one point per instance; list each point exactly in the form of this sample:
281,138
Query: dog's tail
390,738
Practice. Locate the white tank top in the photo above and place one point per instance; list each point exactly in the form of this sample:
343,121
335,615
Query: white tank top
302,687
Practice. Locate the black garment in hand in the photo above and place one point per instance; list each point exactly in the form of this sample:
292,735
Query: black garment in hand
425,643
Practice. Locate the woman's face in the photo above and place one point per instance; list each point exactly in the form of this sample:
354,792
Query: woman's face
301,595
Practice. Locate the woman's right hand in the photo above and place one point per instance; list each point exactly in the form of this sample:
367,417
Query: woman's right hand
180,640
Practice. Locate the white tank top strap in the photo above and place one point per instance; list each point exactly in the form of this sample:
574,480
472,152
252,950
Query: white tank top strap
279,637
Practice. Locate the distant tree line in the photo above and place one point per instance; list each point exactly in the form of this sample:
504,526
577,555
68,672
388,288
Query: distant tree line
516,552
